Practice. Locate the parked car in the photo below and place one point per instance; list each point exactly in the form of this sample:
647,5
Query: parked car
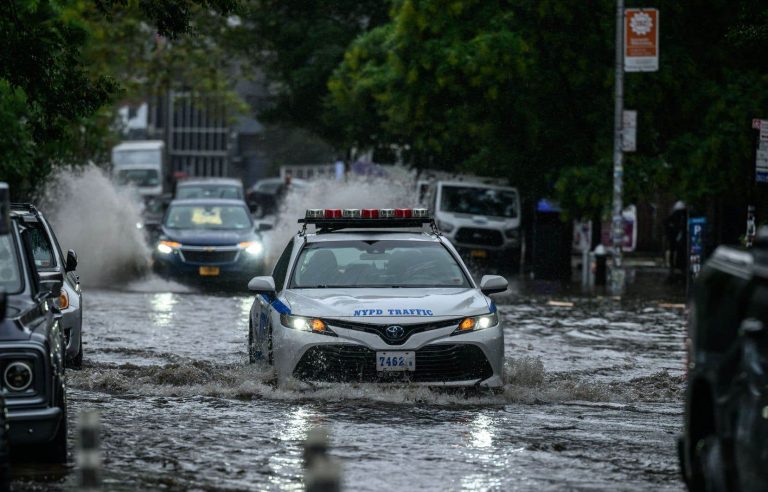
726,401
49,259
32,349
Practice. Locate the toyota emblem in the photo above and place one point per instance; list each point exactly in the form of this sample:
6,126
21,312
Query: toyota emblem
395,331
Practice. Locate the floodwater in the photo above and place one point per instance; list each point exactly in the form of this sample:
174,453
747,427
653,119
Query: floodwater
592,401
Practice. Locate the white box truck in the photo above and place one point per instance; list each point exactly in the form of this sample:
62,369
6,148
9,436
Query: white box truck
141,163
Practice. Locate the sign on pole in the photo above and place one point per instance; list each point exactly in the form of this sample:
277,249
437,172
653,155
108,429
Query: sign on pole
641,40
761,156
629,131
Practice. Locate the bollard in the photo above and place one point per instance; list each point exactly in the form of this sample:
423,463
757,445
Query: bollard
321,473
5,454
88,454
601,265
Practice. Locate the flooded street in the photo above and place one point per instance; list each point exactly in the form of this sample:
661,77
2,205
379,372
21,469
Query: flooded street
592,401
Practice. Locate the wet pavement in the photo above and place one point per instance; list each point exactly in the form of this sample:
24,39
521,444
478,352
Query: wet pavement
592,401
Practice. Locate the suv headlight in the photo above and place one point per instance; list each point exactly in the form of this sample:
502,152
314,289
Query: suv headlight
476,323
167,247
18,376
253,248
300,323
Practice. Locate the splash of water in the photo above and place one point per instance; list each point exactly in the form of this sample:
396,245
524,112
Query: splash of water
98,220
355,192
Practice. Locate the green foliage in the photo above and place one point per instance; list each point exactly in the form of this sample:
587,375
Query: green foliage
297,44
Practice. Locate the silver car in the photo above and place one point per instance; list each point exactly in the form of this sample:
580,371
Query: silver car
49,260
369,298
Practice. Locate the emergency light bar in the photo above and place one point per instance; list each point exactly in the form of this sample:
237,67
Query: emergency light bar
352,218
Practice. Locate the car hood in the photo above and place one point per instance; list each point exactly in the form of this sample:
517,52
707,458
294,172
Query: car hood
209,238
10,328
386,303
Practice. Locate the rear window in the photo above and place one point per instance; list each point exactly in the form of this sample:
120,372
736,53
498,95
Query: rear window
209,191
379,263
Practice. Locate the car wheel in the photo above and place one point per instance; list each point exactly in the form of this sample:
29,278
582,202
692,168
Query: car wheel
76,362
56,450
251,345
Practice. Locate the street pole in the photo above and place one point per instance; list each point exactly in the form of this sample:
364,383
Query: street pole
617,228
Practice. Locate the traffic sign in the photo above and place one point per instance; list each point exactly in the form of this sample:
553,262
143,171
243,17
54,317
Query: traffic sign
641,40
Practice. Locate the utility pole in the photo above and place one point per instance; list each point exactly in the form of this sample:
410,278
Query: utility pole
617,225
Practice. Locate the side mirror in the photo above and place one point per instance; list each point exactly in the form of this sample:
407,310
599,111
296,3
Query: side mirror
51,282
71,265
3,303
493,284
262,285
265,226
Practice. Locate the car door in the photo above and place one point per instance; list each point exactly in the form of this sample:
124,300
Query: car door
264,316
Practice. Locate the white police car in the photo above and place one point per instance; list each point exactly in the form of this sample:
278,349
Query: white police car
373,296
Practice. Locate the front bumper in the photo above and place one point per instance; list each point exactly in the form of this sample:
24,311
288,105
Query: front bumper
35,426
467,359
228,263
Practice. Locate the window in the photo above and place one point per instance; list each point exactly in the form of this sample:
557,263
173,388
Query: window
208,217
378,263
479,201
10,276
42,251
210,191
281,267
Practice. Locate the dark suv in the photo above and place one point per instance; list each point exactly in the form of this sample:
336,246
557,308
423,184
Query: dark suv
31,344
726,408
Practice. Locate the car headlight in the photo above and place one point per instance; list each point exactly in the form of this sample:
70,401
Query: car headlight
167,247
476,323
512,233
253,248
18,376
445,226
301,323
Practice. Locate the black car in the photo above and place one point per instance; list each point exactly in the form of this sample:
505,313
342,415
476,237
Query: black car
49,258
723,446
214,240
32,348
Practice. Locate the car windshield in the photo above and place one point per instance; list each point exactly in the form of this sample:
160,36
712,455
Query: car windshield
209,191
10,276
381,263
214,217
136,157
138,177
479,201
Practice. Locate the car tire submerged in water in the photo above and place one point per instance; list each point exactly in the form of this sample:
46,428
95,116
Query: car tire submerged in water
76,362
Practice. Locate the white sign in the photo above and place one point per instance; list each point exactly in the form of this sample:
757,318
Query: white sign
629,131
763,135
641,40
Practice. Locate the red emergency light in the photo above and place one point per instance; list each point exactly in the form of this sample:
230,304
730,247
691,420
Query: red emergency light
370,213
330,219
332,213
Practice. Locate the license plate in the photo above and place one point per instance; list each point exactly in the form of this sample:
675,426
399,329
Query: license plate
478,253
395,361
209,271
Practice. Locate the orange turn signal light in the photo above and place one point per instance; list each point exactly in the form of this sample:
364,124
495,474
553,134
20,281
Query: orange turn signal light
467,324
63,300
318,325
171,244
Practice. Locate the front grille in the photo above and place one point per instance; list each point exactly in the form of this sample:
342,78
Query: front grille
206,257
481,237
434,364
381,330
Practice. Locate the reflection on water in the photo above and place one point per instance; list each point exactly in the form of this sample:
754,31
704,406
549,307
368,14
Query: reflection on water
481,432
162,304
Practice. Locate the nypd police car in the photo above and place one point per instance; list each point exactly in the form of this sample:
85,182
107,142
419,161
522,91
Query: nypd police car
376,295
